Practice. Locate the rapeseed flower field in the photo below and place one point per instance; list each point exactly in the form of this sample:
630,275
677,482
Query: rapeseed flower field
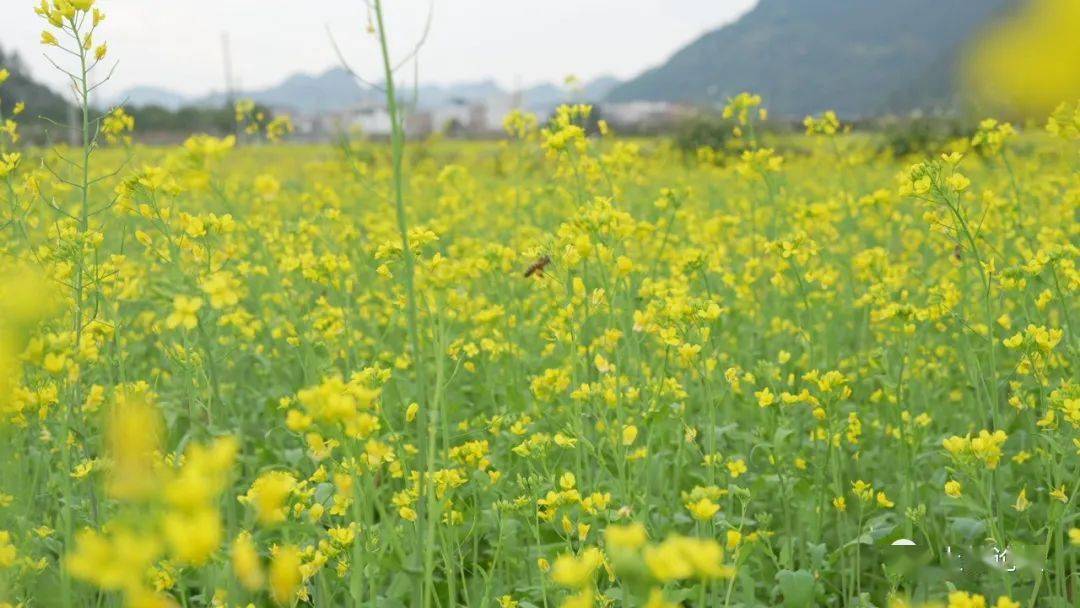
564,369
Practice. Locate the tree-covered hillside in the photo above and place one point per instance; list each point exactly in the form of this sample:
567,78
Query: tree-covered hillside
859,57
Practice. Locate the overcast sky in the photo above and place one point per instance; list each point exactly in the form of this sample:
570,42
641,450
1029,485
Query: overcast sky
177,43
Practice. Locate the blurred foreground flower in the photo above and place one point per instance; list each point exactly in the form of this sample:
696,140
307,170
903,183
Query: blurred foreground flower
23,302
1031,61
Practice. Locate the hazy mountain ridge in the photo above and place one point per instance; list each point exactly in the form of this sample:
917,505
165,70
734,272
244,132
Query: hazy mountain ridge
859,57
335,90
40,100
156,96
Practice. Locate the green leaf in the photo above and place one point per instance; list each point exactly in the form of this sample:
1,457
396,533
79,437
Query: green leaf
797,588
967,528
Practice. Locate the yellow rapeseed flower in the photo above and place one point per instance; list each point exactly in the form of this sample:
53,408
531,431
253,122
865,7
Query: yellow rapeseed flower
285,575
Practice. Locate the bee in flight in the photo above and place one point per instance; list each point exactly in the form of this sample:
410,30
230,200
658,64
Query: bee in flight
537,267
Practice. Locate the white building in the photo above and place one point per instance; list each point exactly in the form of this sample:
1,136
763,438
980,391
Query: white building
458,115
369,120
372,120
637,113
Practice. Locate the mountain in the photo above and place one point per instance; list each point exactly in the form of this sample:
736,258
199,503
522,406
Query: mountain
544,95
335,90
145,96
599,88
40,100
312,93
858,57
434,96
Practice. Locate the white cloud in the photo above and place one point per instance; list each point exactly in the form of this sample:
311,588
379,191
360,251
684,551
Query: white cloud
177,43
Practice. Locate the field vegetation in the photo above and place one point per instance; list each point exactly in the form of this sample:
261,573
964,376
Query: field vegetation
563,369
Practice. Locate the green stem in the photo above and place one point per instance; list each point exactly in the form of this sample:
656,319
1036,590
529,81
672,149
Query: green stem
426,452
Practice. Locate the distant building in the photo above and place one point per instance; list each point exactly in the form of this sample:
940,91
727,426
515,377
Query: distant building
305,126
642,114
461,117
371,120
496,109
457,117
419,124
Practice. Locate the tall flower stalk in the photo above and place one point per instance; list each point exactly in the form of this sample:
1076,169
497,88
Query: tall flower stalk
429,418
71,28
